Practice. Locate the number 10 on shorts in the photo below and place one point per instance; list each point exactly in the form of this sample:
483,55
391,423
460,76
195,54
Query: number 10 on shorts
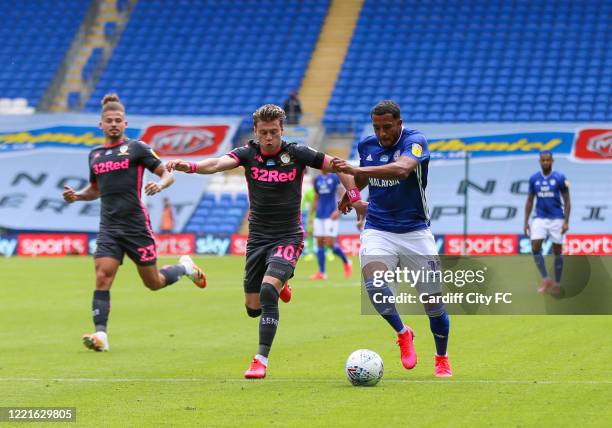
287,252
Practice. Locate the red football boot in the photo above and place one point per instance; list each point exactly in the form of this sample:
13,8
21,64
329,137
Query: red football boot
407,352
193,272
285,293
318,276
547,283
348,269
257,370
442,367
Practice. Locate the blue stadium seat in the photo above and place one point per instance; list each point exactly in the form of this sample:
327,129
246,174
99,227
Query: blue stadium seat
35,37
229,72
74,100
477,54
218,215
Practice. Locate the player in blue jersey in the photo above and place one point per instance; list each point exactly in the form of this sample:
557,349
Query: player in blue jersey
551,220
326,223
394,164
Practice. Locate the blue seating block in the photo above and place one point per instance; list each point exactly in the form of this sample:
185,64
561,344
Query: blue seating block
35,38
476,57
233,77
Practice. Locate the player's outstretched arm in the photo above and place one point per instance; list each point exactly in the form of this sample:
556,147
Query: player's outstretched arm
166,180
353,184
89,193
206,166
528,208
397,170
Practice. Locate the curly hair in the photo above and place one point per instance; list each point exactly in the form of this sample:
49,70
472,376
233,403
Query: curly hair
386,107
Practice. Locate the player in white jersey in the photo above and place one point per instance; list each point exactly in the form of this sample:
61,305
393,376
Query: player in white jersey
394,164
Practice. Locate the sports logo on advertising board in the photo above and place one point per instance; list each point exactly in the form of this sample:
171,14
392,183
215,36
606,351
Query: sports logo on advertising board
483,245
52,244
175,244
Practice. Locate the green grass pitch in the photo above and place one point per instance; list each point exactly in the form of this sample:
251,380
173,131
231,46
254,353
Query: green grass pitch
177,356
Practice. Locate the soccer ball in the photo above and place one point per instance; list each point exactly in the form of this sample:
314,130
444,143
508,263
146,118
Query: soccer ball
364,368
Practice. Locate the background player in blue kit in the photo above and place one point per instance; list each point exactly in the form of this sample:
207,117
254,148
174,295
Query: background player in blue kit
551,220
326,223
394,164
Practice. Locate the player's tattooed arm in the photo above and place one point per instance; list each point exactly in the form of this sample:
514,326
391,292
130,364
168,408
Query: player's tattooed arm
166,180
206,166
88,193
528,208
399,169
567,206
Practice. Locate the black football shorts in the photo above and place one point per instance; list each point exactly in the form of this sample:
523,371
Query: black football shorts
275,257
140,247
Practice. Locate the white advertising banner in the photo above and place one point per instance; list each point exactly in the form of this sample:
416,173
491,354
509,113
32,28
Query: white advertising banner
39,154
502,157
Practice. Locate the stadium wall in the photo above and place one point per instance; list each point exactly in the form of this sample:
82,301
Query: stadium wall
502,157
83,244
40,153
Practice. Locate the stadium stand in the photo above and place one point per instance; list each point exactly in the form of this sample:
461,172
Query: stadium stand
223,213
211,57
92,63
477,61
222,208
35,37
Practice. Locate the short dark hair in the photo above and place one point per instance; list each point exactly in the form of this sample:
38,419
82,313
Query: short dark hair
386,107
546,153
269,113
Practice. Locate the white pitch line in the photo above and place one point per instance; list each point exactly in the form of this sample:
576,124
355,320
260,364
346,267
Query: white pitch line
287,380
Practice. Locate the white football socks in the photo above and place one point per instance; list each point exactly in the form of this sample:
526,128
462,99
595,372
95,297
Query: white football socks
263,360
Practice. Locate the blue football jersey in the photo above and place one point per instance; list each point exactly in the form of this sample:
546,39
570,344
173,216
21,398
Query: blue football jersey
326,187
548,193
397,206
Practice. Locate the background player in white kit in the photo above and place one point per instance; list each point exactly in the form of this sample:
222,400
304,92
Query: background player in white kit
394,164
551,220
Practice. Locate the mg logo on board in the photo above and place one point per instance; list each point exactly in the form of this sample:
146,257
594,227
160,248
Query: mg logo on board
175,140
594,144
